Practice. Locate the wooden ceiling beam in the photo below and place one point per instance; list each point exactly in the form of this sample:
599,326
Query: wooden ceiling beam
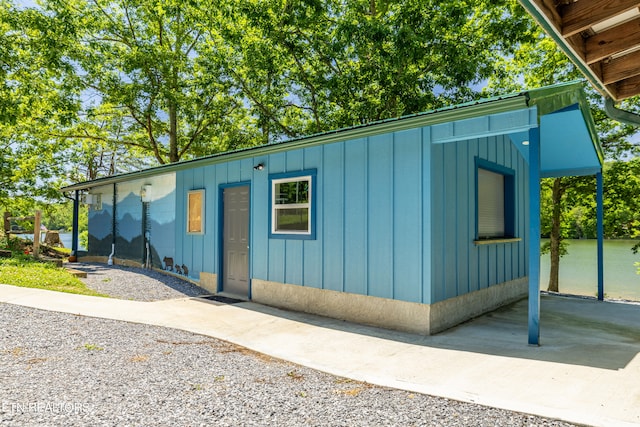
612,41
621,68
583,14
577,42
627,88
550,10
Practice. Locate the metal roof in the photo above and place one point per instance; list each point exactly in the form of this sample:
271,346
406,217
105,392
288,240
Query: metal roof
547,100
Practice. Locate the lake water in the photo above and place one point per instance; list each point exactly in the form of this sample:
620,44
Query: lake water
65,238
579,269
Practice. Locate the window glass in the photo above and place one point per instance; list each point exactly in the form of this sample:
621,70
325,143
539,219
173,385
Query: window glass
288,193
296,219
291,206
195,211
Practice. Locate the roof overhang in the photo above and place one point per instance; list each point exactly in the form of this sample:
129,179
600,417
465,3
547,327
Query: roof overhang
601,37
569,142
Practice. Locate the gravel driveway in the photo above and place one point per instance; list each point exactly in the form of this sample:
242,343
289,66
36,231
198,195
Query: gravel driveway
64,370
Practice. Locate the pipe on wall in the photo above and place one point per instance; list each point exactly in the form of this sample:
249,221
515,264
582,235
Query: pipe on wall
623,116
113,250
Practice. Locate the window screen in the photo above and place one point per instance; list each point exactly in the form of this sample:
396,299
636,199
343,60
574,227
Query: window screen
491,204
195,211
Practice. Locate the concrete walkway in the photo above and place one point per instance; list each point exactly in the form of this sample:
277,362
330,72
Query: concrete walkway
587,370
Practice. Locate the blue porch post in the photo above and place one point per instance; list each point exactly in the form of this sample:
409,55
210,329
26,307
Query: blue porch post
74,225
600,220
534,236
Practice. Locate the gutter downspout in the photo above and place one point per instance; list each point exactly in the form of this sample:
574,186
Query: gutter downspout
113,225
113,249
623,116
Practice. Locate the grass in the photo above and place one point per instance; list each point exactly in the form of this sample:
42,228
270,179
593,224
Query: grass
92,347
23,270
63,251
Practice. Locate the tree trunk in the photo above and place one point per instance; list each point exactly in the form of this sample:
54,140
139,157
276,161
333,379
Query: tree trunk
556,238
173,132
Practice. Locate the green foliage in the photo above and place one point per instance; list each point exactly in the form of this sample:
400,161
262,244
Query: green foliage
308,67
12,244
24,271
621,203
35,96
148,81
92,347
83,238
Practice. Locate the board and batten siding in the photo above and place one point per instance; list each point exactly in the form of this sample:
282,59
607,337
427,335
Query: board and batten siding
370,214
200,251
459,265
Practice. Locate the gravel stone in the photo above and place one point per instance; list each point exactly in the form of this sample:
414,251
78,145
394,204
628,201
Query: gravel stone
136,284
59,369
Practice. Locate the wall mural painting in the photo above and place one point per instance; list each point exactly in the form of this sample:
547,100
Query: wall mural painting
145,215
160,218
100,221
129,232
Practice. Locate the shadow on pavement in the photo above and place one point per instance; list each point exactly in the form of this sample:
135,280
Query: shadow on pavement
574,331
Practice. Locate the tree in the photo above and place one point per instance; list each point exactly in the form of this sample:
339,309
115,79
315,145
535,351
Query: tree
308,66
33,95
141,64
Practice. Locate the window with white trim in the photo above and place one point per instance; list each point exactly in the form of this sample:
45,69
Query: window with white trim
195,212
292,205
495,211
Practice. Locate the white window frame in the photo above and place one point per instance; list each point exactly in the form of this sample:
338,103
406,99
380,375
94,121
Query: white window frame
275,207
188,218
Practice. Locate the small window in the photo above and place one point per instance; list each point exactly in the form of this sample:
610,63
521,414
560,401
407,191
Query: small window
195,212
292,205
495,201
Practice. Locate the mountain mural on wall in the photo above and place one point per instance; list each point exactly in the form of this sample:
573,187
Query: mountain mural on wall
100,237
162,238
130,243
129,218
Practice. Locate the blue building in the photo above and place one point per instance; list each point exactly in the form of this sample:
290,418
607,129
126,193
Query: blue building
416,223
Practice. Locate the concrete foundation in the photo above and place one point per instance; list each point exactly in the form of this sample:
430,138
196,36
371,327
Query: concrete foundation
116,261
387,313
426,319
209,281
453,311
